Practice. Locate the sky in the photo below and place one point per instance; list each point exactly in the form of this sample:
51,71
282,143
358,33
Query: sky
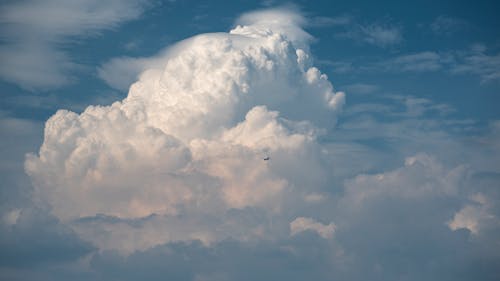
249,140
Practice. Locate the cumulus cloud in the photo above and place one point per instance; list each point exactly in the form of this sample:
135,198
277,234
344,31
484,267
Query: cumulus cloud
394,232
34,33
189,140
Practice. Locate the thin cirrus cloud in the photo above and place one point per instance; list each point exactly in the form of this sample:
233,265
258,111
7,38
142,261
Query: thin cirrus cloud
377,34
418,62
474,61
448,25
478,61
34,34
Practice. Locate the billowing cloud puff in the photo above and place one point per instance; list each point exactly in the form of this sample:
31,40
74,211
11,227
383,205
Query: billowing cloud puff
188,145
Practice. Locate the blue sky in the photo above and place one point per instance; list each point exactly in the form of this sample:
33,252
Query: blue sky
380,120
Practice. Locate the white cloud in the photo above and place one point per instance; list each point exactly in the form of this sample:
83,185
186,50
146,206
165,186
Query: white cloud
35,31
190,140
302,224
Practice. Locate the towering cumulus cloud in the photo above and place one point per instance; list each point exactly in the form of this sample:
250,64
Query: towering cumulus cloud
182,157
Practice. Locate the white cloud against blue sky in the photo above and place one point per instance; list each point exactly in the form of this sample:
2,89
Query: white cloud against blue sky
190,140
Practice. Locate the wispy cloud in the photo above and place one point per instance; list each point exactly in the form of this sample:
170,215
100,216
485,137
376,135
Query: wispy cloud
381,35
477,61
414,62
401,106
35,33
417,62
446,25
